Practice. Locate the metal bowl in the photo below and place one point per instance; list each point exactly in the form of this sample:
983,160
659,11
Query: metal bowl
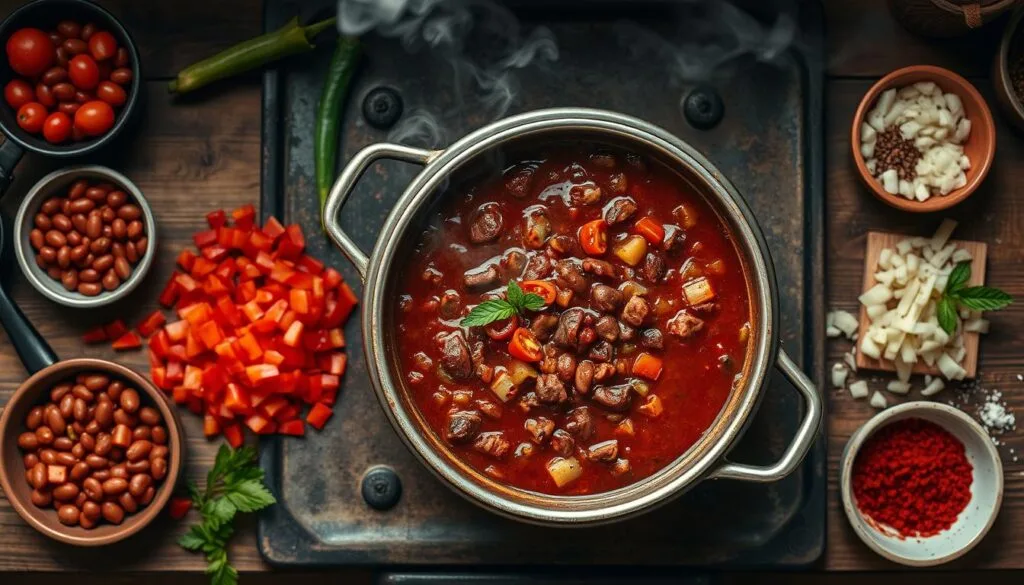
12,471
56,184
1009,102
489,146
976,519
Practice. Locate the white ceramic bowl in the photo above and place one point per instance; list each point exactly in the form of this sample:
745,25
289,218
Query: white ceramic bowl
973,523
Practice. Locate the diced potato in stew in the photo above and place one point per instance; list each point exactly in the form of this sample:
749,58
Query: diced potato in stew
579,377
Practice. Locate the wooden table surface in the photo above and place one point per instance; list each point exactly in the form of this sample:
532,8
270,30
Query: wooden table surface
193,155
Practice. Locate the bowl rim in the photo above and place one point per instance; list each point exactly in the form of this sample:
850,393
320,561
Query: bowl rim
23,250
934,203
1013,28
29,390
869,428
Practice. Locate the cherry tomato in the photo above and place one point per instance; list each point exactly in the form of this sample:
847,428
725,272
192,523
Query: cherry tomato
18,93
501,330
30,52
524,346
111,93
57,127
31,117
94,118
593,237
542,289
44,95
83,72
103,46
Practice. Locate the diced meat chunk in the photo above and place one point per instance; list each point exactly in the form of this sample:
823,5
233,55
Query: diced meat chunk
601,352
626,333
463,425
493,444
538,226
605,160
566,367
615,398
567,333
619,210
620,467
538,266
562,244
653,267
651,339
569,275
605,298
489,409
584,376
542,325
607,328
485,223
684,325
540,429
513,263
519,180
603,371
551,390
674,239
606,451
451,305
705,307
617,183
455,358
635,311
580,423
562,443
598,267
585,194
481,277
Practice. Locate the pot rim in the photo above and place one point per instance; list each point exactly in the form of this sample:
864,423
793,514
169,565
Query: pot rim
675,477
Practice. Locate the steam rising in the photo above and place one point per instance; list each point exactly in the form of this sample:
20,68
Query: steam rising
449,29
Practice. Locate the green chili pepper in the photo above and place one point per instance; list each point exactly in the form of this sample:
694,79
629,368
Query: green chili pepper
328,116
288,40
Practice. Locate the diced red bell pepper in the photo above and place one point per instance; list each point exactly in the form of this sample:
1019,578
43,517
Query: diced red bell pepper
186,259
193,378
215,286
252,311
205,238
178,353
261,373
273,228
180,394
216,219
196,314
193,347
115,329
258,242
177,331
95,335
178,507
293,336
215,378
210,334
337,315
159,376
151,323
211,428
318,415
175,371
214,252
264,261
273,357
233,435
227,268
127,341
160,343
288,249
250,347
228,311
244,216
310,264
237,399
170,294
186,282
293,428
203,267
335,363
273,405
299,301
294,234
260,424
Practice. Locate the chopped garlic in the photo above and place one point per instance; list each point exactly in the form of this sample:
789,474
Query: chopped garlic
942,234
839,374
933,387
897,387
850,359
878,401
859,389
845,322
977,325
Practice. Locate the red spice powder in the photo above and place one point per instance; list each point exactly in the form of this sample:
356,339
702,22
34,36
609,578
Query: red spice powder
914,476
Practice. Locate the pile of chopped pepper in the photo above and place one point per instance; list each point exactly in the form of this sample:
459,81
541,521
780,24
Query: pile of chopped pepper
258,329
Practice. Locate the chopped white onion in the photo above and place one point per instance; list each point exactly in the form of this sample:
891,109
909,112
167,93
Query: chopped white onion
897,387
878,401
859,389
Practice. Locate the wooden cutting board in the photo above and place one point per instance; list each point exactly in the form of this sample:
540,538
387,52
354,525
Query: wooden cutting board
877,241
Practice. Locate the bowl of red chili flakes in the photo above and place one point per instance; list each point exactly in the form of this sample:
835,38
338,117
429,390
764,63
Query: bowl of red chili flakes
921,483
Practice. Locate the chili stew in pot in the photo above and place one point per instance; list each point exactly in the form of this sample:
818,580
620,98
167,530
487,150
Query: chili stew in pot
573,324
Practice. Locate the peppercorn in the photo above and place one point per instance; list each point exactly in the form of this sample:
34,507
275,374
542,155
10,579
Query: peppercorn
893,151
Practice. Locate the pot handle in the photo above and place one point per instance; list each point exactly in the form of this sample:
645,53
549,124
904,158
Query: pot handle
803,440
347,181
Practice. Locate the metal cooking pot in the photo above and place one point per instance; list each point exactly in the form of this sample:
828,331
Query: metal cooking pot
382,270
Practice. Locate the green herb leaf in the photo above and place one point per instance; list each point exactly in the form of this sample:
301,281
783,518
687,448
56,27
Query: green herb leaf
488,312
983,298
191,541
514,295
218,511
946,313
250,496
958,277
533,302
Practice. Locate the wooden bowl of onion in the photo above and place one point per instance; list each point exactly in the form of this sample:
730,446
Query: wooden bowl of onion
923,139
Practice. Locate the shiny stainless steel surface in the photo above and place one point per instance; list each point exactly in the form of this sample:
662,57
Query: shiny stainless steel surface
56,184
703,460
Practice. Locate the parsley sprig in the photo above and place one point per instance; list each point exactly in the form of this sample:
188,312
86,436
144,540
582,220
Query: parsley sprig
516,302
975,298
234,484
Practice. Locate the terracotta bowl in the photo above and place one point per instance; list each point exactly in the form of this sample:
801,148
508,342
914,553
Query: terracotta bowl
980,146
1009,102
33,392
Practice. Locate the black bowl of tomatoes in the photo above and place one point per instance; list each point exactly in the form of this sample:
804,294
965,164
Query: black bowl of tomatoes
71,77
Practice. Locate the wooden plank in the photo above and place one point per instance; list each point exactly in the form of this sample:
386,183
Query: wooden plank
172,35
187,158
994,215
878,241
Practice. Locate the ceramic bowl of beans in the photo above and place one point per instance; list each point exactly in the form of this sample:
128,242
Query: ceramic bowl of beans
933,471
84,236
91,451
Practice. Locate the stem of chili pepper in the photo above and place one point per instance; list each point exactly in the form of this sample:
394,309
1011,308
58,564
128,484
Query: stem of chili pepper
328,118
290,39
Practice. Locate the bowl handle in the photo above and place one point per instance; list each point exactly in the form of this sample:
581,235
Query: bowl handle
346,182
803,440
